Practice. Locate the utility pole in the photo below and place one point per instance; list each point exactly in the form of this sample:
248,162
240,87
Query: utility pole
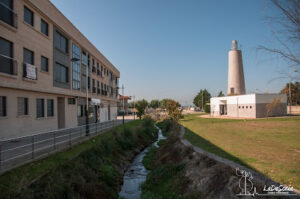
87,100
290,97
133,107
202,101
123,102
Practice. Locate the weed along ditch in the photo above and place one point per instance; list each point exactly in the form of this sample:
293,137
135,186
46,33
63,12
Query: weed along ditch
136,173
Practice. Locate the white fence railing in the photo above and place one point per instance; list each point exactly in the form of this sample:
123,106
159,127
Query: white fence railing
18,151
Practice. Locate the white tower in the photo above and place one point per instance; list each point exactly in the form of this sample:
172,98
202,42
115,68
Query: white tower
236,80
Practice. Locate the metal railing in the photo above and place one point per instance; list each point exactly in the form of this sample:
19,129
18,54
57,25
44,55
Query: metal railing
8,15
8,65
18,151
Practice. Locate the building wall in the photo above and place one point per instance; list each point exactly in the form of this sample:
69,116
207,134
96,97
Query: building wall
248,106
30,37
14,126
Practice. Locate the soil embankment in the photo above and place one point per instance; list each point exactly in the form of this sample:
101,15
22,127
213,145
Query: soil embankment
178,171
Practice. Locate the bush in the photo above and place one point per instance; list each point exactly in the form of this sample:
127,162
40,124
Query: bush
207,108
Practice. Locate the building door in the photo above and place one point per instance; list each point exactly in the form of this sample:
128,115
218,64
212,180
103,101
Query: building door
61,112
108,111
223,109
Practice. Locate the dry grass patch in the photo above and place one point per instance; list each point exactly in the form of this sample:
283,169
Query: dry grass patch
270,146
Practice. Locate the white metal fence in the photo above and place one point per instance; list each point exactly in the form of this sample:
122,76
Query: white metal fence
18,151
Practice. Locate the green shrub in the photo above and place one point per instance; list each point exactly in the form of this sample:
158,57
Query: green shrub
207,108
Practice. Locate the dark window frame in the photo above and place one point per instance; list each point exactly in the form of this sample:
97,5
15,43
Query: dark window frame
59,41
58,75
47,64
25,107
28,11
32,58
46,31
40,113
50,107
4,106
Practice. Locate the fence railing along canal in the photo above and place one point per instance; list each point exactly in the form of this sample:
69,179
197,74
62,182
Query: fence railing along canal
21,150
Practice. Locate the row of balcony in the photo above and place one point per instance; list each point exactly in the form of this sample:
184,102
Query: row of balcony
101,92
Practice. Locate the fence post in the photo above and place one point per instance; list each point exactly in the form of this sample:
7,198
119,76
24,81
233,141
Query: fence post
70,140
54,140
32,144
0,156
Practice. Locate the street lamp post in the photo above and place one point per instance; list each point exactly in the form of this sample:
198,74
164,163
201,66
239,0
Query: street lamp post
123,103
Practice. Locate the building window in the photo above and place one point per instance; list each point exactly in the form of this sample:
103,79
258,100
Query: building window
3,106
250,107
242,106
44,27
61,73
44,63
61,42
232,90
98,69
22,106
246,106
80,111
50,107
6,57
71,101
6,12
40,112
28,16
28,56
239,106
76,67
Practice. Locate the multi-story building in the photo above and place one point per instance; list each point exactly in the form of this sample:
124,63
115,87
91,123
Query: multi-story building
123,105
46,65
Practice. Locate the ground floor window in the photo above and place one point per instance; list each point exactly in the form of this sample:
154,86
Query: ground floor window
22,106
2,106
50,107
40,112
80,111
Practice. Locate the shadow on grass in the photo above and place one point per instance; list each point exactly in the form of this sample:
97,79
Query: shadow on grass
206,145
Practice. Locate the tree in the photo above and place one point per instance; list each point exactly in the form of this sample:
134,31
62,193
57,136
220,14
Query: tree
271,107
295,92
286,30
163,103
173,109
140,106
221,94
198,98
154,104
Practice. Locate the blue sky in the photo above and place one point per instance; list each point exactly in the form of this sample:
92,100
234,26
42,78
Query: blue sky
174,48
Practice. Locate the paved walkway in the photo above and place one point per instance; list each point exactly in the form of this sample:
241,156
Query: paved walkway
256,176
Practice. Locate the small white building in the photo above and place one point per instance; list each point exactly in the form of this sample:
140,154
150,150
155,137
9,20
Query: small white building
248,106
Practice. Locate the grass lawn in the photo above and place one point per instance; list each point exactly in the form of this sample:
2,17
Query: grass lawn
269,146
18,178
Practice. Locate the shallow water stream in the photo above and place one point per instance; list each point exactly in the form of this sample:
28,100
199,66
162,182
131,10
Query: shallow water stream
136,173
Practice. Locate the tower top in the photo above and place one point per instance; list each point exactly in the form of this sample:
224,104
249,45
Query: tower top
234,45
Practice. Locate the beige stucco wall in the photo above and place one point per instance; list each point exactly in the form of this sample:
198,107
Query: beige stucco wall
26,36
14,126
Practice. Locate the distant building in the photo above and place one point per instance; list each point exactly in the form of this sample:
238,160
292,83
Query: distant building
247,106
46,67
241,105
123,99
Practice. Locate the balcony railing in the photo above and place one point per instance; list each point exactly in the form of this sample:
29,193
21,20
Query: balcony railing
8,65
98,72
8,15
98,90
93,69
94,89
29,71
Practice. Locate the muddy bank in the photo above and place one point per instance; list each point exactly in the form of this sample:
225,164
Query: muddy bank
195,175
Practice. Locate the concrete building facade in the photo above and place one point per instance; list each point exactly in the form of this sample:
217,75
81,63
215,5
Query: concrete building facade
46,65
